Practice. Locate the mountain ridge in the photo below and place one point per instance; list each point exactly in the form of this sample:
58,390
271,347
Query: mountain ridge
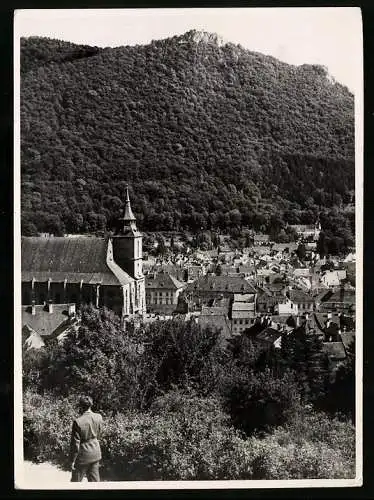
155,115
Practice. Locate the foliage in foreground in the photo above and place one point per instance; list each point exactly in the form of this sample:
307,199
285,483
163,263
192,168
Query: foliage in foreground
184,437
179,405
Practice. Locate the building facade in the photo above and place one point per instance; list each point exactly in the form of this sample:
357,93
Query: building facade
87,269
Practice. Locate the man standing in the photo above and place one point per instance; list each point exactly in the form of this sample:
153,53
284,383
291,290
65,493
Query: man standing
85,452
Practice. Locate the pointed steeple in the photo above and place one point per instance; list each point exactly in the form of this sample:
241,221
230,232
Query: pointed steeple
128,220
128,215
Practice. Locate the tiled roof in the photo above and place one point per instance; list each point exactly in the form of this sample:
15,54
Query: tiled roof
243,306
44,322
269,335
334,350
216,321
73,259
32,339
162,280
233,284
347,296
239,297
214,310
299,296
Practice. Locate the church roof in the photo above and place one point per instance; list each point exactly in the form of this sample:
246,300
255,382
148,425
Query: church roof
60,258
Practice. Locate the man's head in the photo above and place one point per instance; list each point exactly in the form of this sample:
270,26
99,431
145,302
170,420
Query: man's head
85,403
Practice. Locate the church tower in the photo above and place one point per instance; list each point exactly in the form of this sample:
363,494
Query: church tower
128,253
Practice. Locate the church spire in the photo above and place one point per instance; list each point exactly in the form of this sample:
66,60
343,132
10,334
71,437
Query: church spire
128,216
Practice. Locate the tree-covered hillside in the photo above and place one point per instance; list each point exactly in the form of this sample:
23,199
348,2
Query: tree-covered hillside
209,135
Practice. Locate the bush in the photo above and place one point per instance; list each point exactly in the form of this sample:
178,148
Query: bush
259,401
179,439
184,437
47,424
312,446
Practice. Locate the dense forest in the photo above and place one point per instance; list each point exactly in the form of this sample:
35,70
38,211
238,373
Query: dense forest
208,135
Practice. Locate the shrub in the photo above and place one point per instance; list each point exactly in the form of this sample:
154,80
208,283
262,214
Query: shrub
173,441
311,446
259,401
47,423
184,437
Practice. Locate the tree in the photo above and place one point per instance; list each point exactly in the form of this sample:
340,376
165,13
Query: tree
301,251
302,351
99,359
181,354
258,401
341,396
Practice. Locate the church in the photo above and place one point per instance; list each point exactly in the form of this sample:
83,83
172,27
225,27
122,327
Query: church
87,269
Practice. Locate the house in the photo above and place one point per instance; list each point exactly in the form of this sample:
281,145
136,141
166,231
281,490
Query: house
209,288
161,292
41,323
87,269
303,300
243,312
301,272
307,231
194,271
269,337
269,296
333,278
285,306
342,300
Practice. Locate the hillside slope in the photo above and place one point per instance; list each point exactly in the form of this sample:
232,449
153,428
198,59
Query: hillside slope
207,134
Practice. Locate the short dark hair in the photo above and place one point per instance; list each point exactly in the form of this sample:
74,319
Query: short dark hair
85,402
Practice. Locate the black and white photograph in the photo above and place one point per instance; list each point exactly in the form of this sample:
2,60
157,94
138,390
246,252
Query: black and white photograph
188,189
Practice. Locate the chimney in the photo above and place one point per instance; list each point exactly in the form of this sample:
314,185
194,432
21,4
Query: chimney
33,309
71,310
50,306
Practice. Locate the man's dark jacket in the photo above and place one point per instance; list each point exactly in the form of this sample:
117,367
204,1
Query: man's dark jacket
84,445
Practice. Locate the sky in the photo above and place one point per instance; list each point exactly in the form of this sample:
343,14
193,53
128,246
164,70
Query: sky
331,37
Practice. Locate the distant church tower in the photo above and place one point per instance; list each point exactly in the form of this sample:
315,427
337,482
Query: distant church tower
128,253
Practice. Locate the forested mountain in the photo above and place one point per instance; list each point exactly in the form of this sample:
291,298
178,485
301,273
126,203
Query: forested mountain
208,135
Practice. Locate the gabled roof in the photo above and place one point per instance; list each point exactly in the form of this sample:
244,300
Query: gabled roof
299,296
32,338
269,334
162,280
74,259
43,322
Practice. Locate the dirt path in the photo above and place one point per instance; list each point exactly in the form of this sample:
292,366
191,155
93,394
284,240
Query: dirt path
44,475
